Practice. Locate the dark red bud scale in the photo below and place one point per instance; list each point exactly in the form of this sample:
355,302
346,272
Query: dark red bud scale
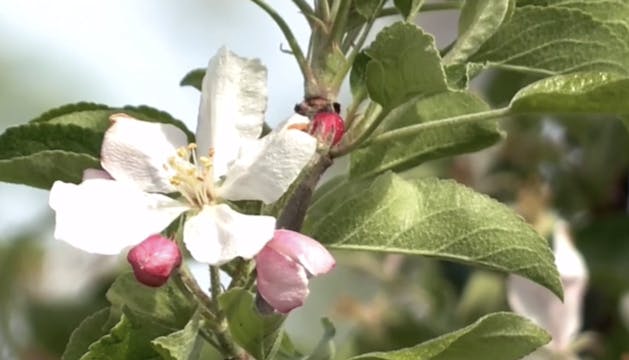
328,125
154,259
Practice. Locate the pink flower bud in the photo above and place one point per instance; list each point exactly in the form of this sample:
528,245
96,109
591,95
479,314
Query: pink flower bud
154,259
328,127
285,265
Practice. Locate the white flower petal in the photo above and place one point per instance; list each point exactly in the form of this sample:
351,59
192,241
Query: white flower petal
562,320
218,234
136,151
267,173
90,174
233,102
103,216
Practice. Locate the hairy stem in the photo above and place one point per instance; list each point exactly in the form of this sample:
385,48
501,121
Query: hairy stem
221,329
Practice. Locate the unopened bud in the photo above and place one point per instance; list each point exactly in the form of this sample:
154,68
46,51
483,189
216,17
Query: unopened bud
328,127
154,259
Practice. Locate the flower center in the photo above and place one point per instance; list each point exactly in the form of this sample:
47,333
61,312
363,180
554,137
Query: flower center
193,175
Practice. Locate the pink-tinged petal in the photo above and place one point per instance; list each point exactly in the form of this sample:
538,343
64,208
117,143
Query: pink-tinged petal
306,251
282,282
265,172
136,152
90,174
218,234
233,102
562,320
105,216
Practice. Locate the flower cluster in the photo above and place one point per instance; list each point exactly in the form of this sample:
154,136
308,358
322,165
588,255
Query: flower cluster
145,163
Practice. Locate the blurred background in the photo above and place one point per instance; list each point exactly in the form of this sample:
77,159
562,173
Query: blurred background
121,52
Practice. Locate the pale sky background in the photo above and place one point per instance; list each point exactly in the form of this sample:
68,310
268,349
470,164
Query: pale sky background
120,52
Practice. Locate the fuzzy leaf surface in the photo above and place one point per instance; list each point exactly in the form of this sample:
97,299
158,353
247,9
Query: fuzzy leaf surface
440,140
551,40
404,64
498,336
479,20
435,218
61,143
587,92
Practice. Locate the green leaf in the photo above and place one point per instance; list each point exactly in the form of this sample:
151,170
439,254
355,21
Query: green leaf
479,20
185,344
408,8
435,218
287,350
499,336
130,339
606,10
404,64
194,78
367,8
625,122
89,331
554,40
95,117
61,143
167,305
69,109
325,349
41,169
257,333
357,77
587,92
429,143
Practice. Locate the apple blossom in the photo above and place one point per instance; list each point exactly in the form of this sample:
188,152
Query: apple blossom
561,319
144,161
284,266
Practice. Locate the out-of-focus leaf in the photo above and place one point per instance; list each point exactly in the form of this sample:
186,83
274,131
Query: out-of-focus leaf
257,333
408,8
167,304
185,344
325,349
433,218
357,77
89,331
130,339
500,336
